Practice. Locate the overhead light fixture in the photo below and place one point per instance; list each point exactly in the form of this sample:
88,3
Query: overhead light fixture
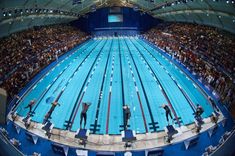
93,8
135,8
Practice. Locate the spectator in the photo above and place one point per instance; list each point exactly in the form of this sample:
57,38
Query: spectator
26,53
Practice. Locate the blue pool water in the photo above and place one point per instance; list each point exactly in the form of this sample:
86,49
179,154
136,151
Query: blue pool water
111,72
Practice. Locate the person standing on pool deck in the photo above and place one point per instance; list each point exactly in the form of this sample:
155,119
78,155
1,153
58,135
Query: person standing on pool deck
127,115
85,106
30,105
167,111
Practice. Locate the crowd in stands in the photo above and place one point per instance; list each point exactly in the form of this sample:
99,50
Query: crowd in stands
207,52
25,53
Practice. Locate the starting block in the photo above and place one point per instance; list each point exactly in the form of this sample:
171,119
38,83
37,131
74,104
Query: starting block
128,136
48,126
214,118
14,115
82,134
198,125
27,121
170,131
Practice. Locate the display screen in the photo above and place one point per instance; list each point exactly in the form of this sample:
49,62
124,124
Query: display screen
115,18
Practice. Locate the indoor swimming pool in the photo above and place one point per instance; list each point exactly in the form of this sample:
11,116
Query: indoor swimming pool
110,72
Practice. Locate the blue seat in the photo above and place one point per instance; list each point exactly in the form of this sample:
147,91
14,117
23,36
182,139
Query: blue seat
82,134
128,136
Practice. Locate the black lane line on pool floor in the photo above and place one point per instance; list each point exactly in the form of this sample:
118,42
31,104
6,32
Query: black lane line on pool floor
137,92
110,94
56,78
123,97
192,105
67,83
195,84
58,86
163,92
95,125
83,90
153,123
40,79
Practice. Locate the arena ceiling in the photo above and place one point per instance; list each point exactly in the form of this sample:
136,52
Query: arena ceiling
16,15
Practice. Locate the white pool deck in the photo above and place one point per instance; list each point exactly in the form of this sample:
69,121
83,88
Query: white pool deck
114,142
